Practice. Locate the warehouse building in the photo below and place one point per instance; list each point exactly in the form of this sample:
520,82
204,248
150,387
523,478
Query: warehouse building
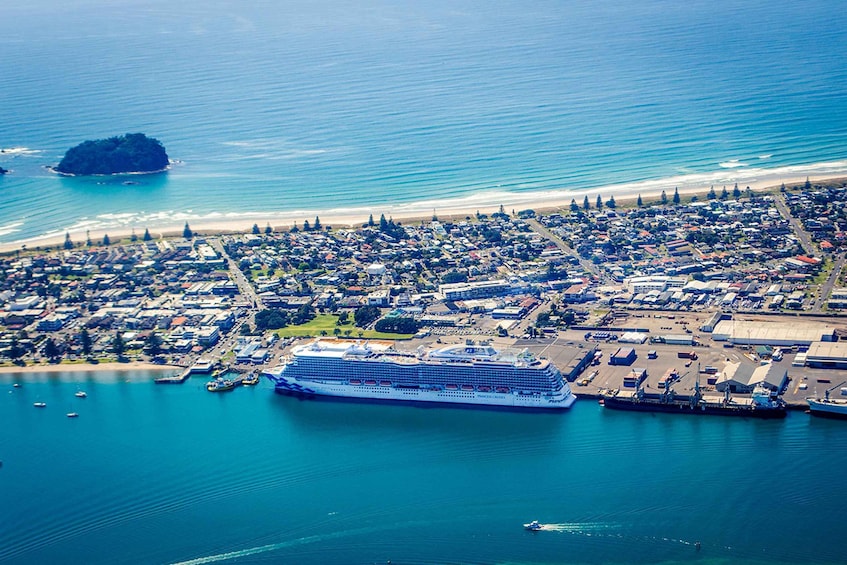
827,355
772,333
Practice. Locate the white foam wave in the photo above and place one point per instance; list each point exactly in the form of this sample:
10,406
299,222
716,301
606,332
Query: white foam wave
732,164
10,228
766,156
18,151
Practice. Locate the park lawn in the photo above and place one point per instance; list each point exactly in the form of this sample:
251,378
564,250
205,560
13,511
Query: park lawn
327,323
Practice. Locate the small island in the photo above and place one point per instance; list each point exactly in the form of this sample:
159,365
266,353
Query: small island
130,153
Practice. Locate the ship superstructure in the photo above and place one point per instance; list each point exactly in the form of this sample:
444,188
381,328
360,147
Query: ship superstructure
468,373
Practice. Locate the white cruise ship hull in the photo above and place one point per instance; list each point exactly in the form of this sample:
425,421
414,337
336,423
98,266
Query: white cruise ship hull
561,401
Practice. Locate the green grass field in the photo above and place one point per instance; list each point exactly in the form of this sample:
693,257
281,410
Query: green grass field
325,325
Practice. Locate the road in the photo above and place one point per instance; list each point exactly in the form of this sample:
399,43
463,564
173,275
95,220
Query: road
826,287
559,242
245,287
802,235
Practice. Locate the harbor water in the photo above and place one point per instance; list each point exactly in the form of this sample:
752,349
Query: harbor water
173,474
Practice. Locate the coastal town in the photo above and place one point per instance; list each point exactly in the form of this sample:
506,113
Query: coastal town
720,292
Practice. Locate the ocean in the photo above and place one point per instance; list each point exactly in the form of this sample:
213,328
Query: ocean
173,474
283,110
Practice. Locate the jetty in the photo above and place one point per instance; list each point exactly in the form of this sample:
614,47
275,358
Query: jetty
200,367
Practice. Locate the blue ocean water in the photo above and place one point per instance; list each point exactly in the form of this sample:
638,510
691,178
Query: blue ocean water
163,474
281,109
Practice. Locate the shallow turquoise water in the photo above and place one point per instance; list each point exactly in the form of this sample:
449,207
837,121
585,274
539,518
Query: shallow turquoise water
374,106
172,473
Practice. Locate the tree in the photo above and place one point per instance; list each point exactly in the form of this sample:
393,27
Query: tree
712,195
365,315
271,319
398,325
68,243
118,345
782,187
611,202
724,193
599,204
256,230
147,236
132,237
736,192
85,342
383,223
317,224
306,226
130,153
304,314
106,240
268,229
664,198
50,349
186,232
154,344
371,222
574,205
639,202
88,238
585,203
808,185
676,195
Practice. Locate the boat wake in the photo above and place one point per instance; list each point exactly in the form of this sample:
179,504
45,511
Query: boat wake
576,527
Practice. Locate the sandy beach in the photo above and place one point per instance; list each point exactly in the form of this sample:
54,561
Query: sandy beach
454,209
83,372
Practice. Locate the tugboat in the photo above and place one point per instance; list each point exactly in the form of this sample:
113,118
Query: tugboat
533,526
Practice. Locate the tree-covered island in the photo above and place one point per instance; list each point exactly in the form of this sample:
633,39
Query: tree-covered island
130,153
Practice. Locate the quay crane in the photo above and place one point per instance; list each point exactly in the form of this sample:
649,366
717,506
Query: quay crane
830,389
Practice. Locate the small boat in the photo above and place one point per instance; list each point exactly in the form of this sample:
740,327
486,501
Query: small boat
502,389
370,382
72,415
220,385
39,404
355,381
452,387
467,387
80,394
384,383
484,389
251,379
533,526
17,385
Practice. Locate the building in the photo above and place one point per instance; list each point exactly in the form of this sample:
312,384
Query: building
623,356
479,289
772,333
827,355
744,378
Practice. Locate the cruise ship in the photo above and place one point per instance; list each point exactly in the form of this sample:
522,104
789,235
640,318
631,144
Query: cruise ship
470,373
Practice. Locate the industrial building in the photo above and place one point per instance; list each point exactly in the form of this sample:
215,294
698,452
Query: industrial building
827,355
623,356
772,333
744,378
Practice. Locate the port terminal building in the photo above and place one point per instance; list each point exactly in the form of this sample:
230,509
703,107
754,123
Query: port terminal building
775,334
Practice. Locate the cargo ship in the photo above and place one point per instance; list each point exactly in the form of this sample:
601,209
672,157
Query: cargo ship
469,374
761,403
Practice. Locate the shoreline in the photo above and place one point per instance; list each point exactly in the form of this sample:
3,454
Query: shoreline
542,202
29,372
